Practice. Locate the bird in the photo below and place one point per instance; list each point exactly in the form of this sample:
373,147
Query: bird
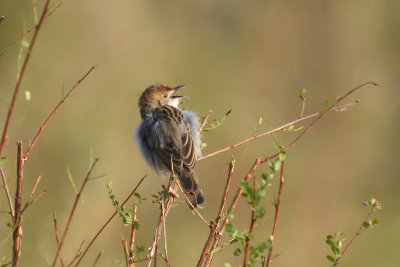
169,139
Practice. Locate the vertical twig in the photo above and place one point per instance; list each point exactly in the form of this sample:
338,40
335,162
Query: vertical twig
232,207
157,232
57,239
10,204
126,252
251,228
165,232
107,222
277,206
78,196
21,75
214,225
132,240
17,234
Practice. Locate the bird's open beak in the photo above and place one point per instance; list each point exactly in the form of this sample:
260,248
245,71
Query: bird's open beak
176,89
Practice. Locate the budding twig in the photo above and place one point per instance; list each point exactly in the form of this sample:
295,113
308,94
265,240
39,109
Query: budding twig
107,222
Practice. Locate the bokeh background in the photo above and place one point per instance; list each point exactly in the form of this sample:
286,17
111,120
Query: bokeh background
251,57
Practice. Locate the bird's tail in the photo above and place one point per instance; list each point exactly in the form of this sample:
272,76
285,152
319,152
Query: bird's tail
192,189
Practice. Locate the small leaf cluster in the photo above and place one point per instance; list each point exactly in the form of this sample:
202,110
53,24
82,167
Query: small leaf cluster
336,243
127,215
372,204
5,262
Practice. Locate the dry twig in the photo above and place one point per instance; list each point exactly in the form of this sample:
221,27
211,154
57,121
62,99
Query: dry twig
57,239
21,75
73,211
55,111
10,204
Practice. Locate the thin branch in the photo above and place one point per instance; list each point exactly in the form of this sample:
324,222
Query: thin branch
30,201
57,239
132,239
190,203
107,222
10,204
55,111
165,233
257,136
77,254
251,228
204,122
17,234
21,75
126,252
214,225
332,107
30,30
374,207
72,212
277,206
318,114
97,258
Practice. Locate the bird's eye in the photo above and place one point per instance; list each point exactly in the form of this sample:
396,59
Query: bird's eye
166,95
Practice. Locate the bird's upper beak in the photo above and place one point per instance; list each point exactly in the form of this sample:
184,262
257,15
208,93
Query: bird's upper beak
176,89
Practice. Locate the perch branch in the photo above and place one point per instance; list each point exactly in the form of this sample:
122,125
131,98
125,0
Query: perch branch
132,240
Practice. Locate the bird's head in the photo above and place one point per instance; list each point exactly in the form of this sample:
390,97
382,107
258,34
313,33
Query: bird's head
158,95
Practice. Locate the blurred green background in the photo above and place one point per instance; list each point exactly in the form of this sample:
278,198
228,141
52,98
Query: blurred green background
248,56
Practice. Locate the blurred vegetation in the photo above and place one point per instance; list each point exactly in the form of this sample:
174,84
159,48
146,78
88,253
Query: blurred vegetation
251,57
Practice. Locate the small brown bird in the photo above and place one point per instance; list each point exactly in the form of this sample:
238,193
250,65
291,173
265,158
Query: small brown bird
167,132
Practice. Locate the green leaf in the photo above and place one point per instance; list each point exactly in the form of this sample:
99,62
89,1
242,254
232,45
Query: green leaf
27,95
335,250
237,252
330,258
229,228
330,242
329,237
282,156
227,264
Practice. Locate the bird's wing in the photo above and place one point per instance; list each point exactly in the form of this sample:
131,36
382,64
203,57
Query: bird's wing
174,139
